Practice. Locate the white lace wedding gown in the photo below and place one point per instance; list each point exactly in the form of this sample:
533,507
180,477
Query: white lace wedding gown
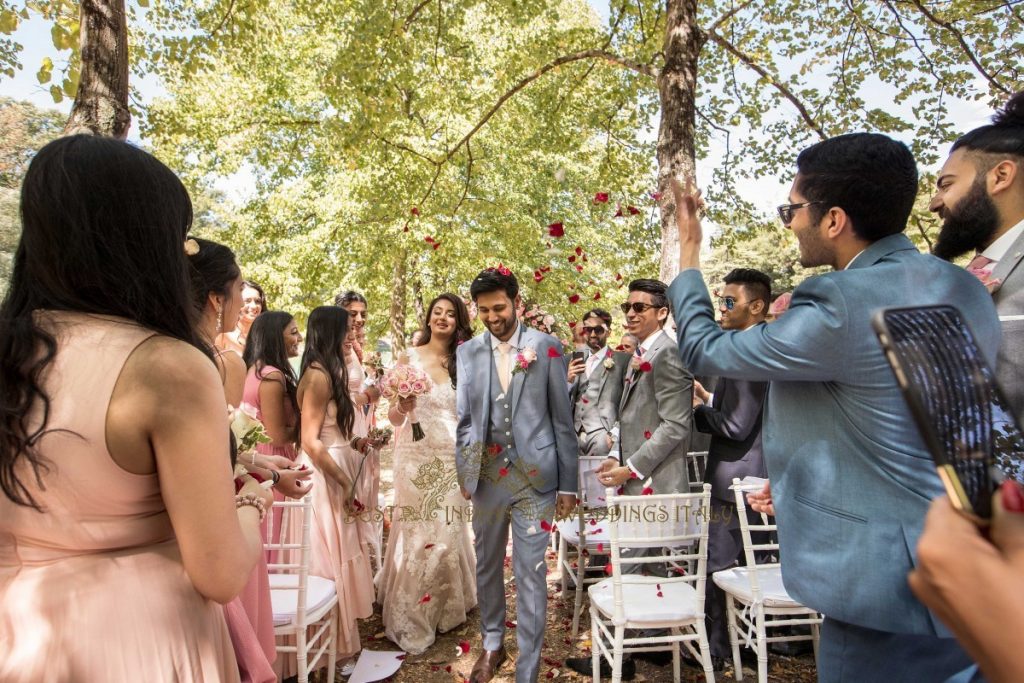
428,580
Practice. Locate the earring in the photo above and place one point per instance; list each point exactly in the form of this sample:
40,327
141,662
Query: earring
220,320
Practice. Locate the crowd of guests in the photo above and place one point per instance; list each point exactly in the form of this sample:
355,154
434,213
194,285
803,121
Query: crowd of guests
127,504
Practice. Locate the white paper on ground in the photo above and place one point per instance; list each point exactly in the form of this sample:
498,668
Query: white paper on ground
375,665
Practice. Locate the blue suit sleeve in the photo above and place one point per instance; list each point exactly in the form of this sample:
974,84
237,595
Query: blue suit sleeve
560,409
806,344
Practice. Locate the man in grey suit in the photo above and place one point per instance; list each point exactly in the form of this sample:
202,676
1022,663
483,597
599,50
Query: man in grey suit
595,385
515,448
851,479
655,415
980,197
732,416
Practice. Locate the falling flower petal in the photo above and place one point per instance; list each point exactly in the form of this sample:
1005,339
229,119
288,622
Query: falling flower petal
553,352
414,211
437,245
618,211
572,325
618,276
401,657
545,525
572,259
464,646
574,298
584,400
494,449
428,240
556,230
405,228
632,474
608,569
600,547
646,366
647,435
655,196
425,599
632,210
537,276
597,296
428,546
579,251
579,268
503,472
510,624
601,198
660,594
647,491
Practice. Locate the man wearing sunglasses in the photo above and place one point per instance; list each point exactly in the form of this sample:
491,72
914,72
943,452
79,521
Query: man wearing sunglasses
595,385
851,479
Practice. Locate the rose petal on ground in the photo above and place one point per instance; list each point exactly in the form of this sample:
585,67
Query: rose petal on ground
463,646
425,599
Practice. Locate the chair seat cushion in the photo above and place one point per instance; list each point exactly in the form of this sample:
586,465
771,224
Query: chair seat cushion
284,596
597,534
736,582
641,603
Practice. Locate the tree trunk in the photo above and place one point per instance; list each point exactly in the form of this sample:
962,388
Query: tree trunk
417,300
677,87
398,303
101,103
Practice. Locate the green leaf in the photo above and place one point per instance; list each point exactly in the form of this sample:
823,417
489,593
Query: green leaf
8,21
143,3
56,94
69,87
45,72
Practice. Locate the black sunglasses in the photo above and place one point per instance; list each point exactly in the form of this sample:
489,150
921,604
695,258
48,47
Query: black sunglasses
600,329
786,211
636,307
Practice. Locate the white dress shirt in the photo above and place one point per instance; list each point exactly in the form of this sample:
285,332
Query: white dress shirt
997,250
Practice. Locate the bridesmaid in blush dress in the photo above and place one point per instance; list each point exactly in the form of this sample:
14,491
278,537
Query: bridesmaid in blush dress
119,527
337,455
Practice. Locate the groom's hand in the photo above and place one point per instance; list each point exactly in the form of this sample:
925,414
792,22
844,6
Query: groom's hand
564,506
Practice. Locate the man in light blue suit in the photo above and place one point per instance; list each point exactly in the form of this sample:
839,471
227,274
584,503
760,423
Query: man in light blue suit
850,478
515,450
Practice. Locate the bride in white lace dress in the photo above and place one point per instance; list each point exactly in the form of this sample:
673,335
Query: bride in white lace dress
428,581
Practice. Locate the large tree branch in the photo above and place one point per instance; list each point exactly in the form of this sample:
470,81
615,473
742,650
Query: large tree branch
412,15
730,14
948,25
645,69
774,81
224,19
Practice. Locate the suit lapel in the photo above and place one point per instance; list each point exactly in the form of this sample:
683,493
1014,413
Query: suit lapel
484,361
1011,260
515,385
635,375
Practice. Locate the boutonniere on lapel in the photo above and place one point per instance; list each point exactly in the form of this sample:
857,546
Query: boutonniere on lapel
608,362
640,364
524,359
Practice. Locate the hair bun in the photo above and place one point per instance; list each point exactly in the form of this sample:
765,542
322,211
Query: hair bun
1011,113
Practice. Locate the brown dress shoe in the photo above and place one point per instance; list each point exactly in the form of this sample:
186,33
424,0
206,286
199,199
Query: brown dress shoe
487,664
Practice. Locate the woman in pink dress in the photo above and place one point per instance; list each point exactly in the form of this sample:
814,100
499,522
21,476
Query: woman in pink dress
119,527
337,455
254,302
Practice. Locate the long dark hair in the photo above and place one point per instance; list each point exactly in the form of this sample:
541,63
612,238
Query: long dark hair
265,347
326,330
212,269
104,225
263,297
463,330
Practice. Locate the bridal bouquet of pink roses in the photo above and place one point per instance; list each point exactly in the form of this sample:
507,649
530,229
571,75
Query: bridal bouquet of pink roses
403,381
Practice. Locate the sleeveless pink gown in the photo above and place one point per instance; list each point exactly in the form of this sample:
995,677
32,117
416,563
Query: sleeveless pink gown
93,588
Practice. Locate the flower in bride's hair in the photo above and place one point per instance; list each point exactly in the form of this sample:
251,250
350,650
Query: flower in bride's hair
191,247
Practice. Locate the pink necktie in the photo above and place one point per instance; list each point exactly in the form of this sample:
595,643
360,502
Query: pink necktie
979,262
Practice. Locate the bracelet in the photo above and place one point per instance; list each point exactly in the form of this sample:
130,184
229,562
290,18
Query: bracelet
402,412
253,463
275,477
253,500
353,442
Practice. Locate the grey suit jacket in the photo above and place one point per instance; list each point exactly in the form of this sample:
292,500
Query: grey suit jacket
1009,300
851,478
602,391
655,415
541,415
734,421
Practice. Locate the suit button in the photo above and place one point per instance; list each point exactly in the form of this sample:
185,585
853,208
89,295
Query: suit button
506,419
508,433
506,406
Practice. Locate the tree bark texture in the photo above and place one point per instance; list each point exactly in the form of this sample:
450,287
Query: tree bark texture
677,88
398,302
101,103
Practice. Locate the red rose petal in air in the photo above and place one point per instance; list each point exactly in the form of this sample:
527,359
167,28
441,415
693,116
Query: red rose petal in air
405,228
414,211
556,230
572,325
632,210
579,251
428,240
647,435
509,623
601,198
545,269
537,276
448,668
620,347
608,569
655,196
647,491
545,525
464,646
660,595
632,474
618,211
494,449
574,298
503,472
618,276
597,295
584,400
572,259
584,258
579,268
425,599
437,245
600,547
553,352
401,656
428,546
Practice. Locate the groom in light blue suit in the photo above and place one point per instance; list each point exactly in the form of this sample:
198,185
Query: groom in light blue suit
516,455
850,477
